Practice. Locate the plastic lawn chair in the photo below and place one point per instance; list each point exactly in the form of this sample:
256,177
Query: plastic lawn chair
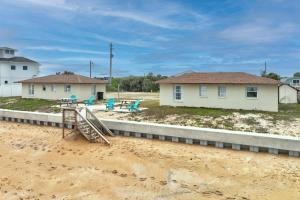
90,101
135,106
110,104
73,99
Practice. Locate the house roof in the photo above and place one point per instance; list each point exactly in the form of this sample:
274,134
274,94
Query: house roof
282,84
7,48
219,78
18,59
65,79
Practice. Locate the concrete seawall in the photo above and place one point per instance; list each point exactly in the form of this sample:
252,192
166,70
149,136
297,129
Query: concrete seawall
256,142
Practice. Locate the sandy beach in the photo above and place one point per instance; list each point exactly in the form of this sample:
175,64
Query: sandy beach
36,163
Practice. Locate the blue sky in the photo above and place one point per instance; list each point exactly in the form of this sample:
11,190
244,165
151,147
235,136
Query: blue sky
159,36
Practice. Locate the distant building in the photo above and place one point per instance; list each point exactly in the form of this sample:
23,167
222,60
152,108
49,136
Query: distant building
292,81
228,90
55,87
14,68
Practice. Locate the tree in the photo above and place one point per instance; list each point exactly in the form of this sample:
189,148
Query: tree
65,72
136,83
271,75
297,74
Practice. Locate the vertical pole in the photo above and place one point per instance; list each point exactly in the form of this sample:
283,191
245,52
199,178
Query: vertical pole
110,62
63,123
265,67
118,91
90,69
75,126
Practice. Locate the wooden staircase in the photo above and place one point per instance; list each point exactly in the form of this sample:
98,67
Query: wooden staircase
89,126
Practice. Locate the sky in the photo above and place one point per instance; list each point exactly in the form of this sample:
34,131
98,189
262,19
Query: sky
160,36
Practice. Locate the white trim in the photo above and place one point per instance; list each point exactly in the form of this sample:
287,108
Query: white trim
203,96
246,92
225,91
174,93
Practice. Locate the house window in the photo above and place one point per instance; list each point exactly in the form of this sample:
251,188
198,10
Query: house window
44,87
94,90
67,88
31,89
221,91
177,92
13,67
52,88
202,91
25,67
251,92
296,82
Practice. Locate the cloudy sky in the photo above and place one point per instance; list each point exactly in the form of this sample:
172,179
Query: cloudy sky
159,36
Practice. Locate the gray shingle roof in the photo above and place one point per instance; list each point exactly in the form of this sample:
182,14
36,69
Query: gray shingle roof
18,59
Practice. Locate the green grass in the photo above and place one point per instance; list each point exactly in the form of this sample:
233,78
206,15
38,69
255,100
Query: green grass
288,111
17,103
162,111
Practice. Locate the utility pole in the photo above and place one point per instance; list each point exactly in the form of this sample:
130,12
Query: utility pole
265,67
91,63
110,62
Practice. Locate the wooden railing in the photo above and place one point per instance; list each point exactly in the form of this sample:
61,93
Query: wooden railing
97,123
91,128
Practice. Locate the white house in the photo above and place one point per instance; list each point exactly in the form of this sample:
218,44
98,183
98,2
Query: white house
292,81
288,94
228,90
13,69
54,87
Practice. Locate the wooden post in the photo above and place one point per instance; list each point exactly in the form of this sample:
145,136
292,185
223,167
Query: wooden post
63,123
75,126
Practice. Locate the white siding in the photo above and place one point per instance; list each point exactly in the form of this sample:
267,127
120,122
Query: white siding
235,98
82,91
10,90
287,94
12,76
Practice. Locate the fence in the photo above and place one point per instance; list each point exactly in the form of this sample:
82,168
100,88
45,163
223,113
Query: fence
8,90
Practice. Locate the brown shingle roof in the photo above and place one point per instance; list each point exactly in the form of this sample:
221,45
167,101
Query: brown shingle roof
64,79
219,78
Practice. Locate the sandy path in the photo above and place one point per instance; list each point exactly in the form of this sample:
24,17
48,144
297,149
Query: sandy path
36,163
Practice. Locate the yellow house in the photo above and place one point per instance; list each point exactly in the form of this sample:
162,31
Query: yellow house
60,86
228,90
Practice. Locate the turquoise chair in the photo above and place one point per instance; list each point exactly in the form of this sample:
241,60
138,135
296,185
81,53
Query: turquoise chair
73,99
90,101
135,106
110,104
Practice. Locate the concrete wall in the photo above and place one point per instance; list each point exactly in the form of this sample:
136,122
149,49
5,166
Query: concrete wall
287,94
82,91
235,98
203,136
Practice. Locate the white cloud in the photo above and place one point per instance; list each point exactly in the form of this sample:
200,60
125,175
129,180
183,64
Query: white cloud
258,32
136,42
63,49
153,14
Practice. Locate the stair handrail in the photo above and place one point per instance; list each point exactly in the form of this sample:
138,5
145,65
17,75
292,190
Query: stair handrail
99,121
91,125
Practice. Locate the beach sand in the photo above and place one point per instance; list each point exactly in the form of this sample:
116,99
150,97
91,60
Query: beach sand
36,163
